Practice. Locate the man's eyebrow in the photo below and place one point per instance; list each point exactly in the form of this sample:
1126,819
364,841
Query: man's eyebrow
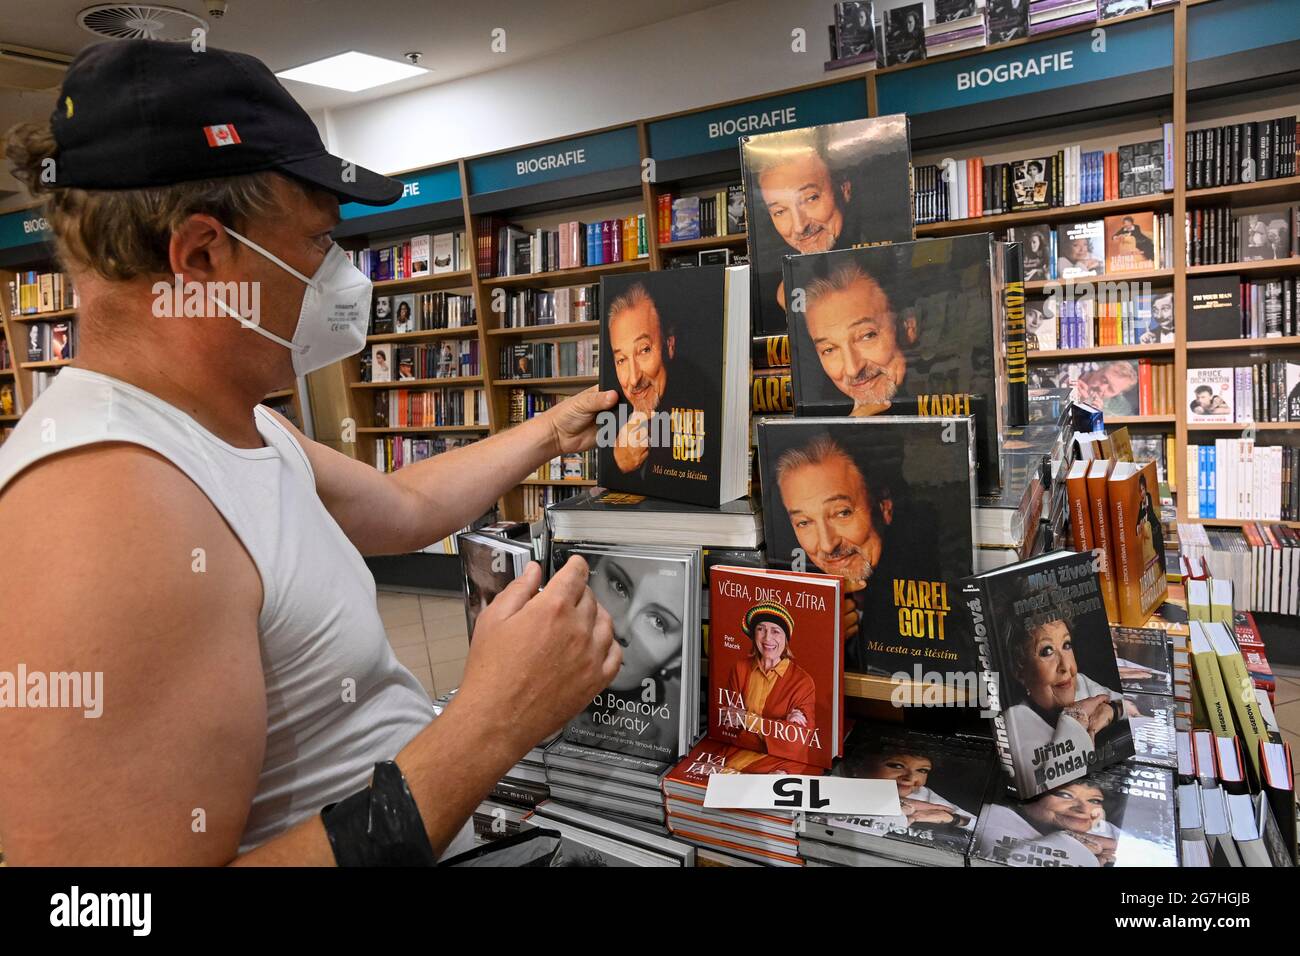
840,497
636,339
864,320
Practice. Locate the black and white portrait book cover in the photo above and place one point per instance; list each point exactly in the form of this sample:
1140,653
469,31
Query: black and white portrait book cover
651,709
1122,816
675,346
488,564
912,328
941,786
819,188
1040,630
885,504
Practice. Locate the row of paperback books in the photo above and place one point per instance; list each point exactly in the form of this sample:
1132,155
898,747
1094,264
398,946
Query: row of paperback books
387,362
1260,565
1118,387
1241,153
1236,478
1226,307
31,293
51,341
396,451
412,258
527,402
506,249
1261,392
1057,322
965,189
1216,235
721,213
430,407
1130,242
537,499
572,466
525,308
557,358
421,312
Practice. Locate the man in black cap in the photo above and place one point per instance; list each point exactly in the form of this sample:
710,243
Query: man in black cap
185,565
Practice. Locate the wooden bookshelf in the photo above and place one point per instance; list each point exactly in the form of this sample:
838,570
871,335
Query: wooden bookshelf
1092,210
1070,355
707,242
561,380
585,275
1140,419
553,330
442,282
1110,278
1242,426
411,430
574,482
1236,522
45,316
449,381
1266,192
1215,345
463,332
1260,267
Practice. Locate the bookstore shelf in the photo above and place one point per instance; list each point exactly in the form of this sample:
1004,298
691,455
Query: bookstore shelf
704,242
1153,275
52,363
45,316
461,279
1213,345
1090,210
1264,267
422,382
1067,355
1235,522
558,380
572,482
1140,419
563,277
1242,426
281,393
463,332
545,331
6,373
9,418
432,429
1263,193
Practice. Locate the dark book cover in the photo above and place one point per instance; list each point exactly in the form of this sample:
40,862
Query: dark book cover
941,786
1030,187
820,188
1122,816
1143,657
945,11
735,209
770,351
1013,381
885,504
381,315
652,597
854,28
1051,679
1035,251
1008,20
905,34
667,342
911,328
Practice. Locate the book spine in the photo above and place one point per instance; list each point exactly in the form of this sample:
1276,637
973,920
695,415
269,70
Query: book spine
1017,363
1100,512
975,598
1081,538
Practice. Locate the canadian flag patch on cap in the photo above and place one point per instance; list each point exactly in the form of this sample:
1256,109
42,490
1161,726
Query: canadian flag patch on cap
223,135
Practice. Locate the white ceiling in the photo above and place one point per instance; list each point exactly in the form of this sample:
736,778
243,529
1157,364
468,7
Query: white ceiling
455,38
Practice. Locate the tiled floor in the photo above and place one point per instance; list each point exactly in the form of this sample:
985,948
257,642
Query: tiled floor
428,635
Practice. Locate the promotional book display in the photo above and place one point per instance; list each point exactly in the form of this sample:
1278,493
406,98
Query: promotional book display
909,328
1050,674
941,785
817,189
885,504
675,346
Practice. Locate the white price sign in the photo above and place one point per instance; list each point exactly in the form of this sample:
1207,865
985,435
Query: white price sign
775,791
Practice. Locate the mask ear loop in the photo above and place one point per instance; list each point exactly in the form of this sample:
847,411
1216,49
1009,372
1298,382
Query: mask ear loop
248,323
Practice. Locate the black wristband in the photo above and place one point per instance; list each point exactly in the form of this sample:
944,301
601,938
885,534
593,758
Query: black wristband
380,825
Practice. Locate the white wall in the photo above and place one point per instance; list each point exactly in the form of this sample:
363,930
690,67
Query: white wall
728,52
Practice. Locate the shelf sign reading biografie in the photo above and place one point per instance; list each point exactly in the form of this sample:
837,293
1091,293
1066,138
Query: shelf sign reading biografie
423,188
548,162
710,130
1056,63
24,228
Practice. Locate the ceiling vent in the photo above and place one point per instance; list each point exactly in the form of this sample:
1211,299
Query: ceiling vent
133,21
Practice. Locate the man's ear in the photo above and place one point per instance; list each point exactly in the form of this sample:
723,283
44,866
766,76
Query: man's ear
846,191
672,347
200,248
887,510
910,335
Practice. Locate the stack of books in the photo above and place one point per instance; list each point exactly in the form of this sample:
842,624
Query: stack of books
958,25
1046,15
620,787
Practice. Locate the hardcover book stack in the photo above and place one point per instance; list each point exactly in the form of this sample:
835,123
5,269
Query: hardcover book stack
941,784
620,787
958,25
1047,15
593,840
1146,672
1018,522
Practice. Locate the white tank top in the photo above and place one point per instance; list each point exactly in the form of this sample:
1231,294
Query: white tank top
319,625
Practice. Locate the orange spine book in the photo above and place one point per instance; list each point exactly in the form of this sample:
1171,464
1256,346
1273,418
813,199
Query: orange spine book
1076,489
1137,542
1099,513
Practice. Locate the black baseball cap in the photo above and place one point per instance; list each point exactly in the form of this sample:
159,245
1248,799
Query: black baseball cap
138,113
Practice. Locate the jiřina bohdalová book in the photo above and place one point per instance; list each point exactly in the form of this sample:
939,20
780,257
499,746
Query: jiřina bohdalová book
1044,645
820,188
912,328
886,504
675,345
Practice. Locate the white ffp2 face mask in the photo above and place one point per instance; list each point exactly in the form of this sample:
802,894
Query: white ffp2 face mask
334,315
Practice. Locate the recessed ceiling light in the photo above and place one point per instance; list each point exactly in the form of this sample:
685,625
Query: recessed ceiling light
352,72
